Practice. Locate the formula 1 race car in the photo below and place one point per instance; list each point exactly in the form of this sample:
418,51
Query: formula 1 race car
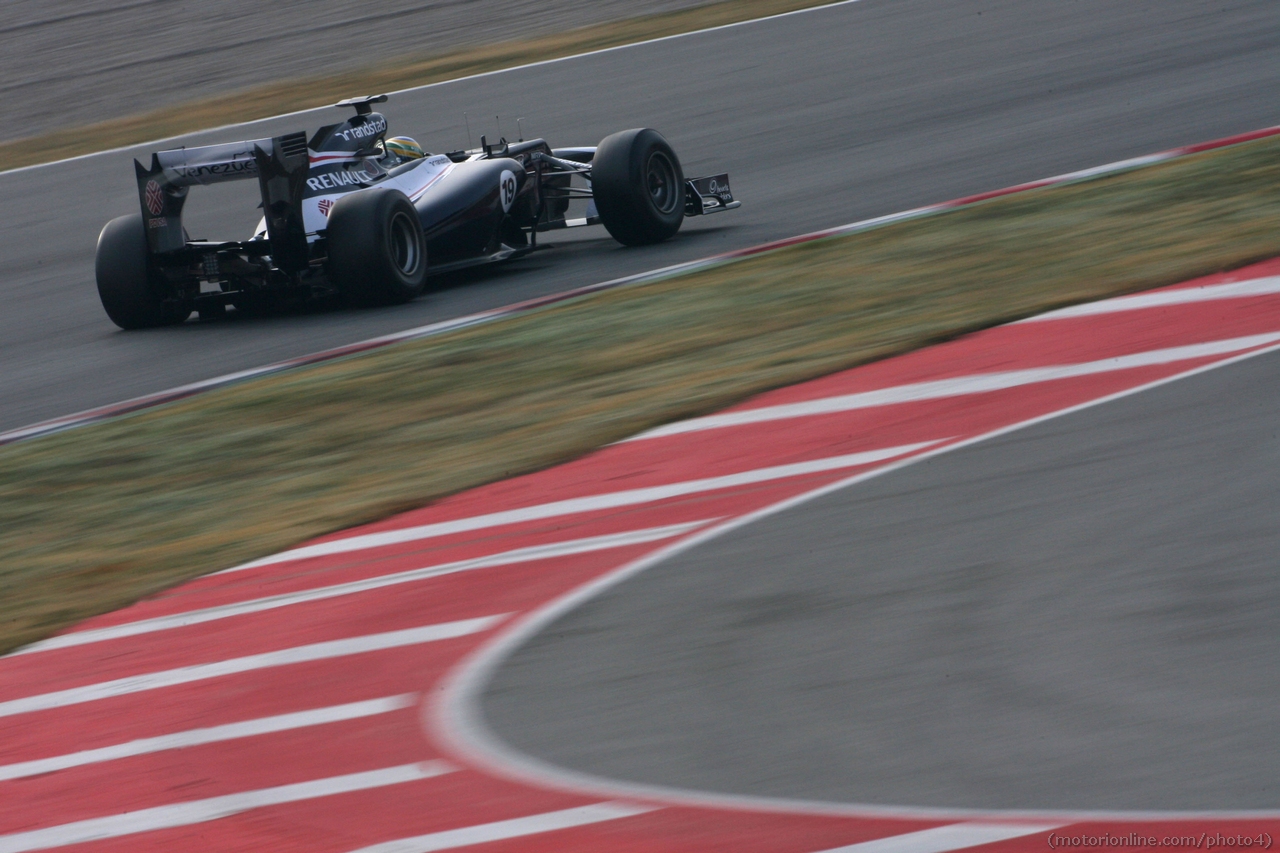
352,214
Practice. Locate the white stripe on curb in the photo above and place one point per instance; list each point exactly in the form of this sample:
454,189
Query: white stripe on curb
213,734
978,383
233,666
257,605
942,839
201,811
1209,293
504,829
593,503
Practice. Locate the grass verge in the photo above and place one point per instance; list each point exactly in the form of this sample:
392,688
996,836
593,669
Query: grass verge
94,518
401,73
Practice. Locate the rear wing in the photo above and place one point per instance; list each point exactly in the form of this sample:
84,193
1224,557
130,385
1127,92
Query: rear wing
281,165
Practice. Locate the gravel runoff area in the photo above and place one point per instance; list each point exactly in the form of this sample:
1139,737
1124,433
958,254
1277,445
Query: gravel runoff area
69,63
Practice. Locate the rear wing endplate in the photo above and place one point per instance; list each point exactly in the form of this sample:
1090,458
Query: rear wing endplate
281,165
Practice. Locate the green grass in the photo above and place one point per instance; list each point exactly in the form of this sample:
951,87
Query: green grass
94,518
398,73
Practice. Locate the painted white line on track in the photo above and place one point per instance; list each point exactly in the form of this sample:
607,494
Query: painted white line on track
942,839
1266,286
592,503
504,829
518,555
201,811
212,734
233,666
977,383
452,81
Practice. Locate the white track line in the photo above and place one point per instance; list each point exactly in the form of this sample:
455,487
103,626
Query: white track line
201,811
1235,290
257,605
504,829
593,503
266,660
942,839
453,81
213,734
978,383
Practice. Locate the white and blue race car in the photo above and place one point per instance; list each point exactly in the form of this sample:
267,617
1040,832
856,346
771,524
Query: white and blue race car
350,214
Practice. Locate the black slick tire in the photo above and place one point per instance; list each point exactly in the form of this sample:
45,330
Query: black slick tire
128,286
638,187
377,251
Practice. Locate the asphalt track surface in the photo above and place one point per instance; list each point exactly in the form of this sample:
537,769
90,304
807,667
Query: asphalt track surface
821,118
1191,692
1078,615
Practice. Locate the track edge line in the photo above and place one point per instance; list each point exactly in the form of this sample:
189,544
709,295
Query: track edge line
453,716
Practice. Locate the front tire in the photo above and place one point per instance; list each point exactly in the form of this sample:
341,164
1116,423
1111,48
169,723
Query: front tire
128,285
638,187
377,251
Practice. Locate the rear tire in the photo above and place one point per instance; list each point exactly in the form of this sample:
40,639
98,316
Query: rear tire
638,187
128,285
377,251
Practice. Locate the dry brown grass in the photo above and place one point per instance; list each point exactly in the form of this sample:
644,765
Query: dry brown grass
94,518
400,73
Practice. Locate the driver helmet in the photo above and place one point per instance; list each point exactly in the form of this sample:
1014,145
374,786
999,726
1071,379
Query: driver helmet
404,148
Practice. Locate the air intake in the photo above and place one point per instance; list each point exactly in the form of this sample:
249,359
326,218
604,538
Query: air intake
293,144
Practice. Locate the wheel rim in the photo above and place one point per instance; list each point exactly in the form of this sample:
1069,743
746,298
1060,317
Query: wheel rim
404,238
660,179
